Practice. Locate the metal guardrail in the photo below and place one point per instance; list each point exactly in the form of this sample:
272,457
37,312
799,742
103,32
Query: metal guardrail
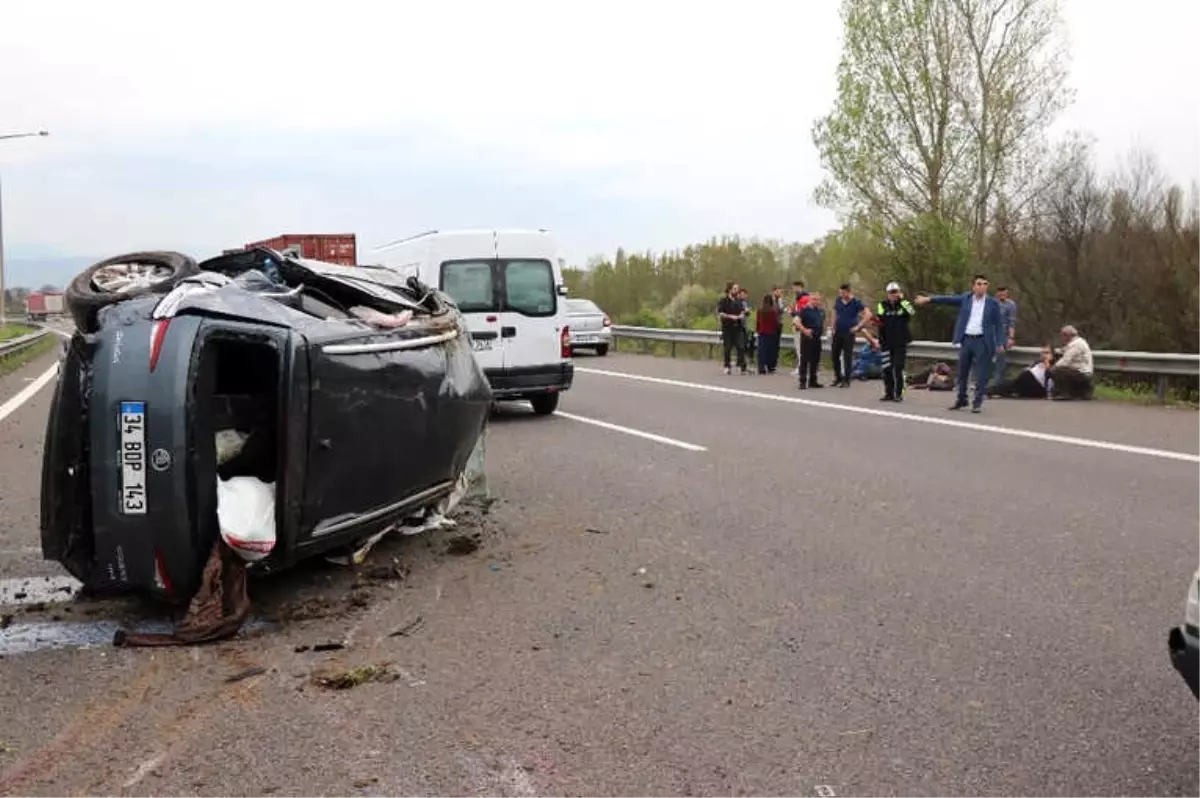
15,345
1159,364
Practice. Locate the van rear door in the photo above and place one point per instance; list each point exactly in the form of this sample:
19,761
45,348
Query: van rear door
529,319
474,286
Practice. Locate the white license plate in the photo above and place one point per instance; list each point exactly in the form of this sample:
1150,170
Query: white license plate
131,421
586,339
481,344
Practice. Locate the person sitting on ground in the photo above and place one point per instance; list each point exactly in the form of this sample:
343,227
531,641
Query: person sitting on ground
1032,383
1072,374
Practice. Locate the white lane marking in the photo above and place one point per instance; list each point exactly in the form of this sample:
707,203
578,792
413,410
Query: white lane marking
27,393
650,436
1166,454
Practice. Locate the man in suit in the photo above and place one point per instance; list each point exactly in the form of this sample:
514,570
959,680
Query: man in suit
980,333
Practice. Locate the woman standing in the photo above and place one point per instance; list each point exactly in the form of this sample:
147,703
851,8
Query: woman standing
767,326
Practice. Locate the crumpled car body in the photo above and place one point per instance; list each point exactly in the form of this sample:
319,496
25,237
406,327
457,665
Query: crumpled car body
357,423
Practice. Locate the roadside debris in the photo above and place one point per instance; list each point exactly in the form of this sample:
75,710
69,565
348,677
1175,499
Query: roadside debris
462,545
246,674
593,530
410,628
355,677
215,612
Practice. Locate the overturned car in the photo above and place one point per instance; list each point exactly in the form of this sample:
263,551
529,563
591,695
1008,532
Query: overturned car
348,396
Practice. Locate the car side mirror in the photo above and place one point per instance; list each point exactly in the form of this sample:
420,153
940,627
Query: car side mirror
562,290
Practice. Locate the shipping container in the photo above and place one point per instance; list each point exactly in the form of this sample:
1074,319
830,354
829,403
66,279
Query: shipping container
340,248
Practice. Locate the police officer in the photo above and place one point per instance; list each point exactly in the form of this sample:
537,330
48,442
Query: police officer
893,315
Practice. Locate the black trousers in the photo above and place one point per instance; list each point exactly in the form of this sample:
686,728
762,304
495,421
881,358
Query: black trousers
893,370
734,339
810,359
1022,386
842,351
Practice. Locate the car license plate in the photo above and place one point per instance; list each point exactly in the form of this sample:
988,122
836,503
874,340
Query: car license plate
131,421
481,345
586,339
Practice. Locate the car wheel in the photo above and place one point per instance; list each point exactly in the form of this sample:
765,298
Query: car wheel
123,277
602,350
544,403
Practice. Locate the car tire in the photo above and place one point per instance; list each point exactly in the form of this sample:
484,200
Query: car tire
544,403
602,350
85,298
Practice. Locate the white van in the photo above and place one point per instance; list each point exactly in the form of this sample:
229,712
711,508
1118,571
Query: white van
509,286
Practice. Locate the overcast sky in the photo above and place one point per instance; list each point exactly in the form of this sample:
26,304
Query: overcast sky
650,125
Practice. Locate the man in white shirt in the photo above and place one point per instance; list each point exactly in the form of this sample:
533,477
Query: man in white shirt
1072,374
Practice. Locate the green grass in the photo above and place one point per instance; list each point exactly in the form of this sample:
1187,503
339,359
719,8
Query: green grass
10,331
30,353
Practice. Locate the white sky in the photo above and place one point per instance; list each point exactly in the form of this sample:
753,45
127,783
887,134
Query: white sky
650,125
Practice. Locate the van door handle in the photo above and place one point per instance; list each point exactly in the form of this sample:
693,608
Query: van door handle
508,332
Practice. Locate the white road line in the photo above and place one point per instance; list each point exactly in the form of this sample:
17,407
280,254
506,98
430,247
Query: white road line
650,436
1165,454
27,393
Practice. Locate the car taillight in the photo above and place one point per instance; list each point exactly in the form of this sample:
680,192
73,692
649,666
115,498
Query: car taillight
162,579
607,321
158,331
564,341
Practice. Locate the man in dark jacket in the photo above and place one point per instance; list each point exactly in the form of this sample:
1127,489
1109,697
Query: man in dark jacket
979,331
892,315
732,314
810,325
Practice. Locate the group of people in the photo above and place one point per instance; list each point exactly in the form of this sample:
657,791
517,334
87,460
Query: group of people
984,331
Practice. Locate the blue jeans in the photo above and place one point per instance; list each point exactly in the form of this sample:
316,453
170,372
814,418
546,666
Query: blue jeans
1000,366
974,357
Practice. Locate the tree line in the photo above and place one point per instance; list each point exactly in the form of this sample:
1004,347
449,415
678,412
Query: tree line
939,162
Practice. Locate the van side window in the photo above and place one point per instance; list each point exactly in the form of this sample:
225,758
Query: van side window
469,283
529,287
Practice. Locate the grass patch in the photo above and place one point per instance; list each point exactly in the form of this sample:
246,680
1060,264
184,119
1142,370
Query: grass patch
11,363
10,331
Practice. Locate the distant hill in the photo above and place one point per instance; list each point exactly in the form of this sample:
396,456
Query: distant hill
33,273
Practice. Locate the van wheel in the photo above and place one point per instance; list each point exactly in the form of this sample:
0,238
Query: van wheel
123,277
602,350
544,403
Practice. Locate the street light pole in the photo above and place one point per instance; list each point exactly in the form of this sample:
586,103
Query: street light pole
3,295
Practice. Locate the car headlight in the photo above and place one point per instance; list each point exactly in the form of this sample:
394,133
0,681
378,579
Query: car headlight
1191,615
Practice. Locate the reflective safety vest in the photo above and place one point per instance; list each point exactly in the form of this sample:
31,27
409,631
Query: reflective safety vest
893,319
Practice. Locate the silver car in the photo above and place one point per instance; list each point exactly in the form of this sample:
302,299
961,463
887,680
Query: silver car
590,326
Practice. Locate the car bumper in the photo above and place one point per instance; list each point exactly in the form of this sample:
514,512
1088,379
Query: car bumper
584,340
1184,645
522,382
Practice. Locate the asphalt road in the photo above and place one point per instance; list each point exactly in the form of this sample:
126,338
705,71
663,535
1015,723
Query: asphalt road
771,596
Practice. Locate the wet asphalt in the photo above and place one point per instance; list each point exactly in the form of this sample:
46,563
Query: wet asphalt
821,602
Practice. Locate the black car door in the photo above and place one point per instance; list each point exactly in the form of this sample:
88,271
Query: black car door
374,400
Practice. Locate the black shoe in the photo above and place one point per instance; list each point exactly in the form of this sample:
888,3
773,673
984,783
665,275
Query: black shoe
845,384
898,399
977,409
958,405
887,398
803,387
815,385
